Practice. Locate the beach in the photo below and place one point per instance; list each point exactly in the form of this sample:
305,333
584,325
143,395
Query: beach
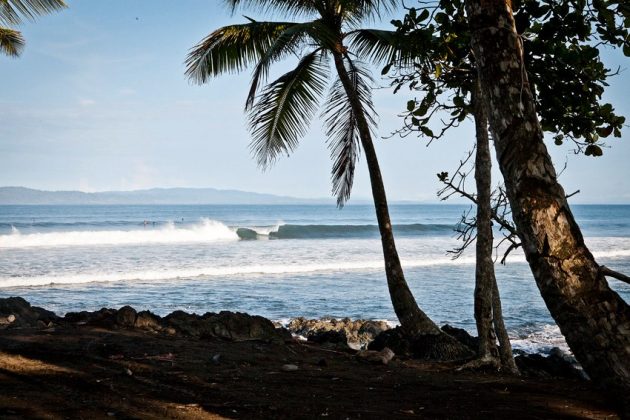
111,365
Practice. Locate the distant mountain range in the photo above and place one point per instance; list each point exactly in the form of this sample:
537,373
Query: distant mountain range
21,195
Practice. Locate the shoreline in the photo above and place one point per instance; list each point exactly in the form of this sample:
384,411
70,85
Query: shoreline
119,364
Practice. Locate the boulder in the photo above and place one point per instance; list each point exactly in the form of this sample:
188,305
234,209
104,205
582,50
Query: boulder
146,320
234,326
18,313
126,317
440,347
330,339
359,333
556,365
462,336
105,317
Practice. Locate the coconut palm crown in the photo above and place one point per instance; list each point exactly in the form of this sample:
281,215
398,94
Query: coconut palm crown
13,13
280,112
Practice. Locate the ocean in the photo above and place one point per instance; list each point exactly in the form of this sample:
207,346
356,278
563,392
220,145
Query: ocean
276,261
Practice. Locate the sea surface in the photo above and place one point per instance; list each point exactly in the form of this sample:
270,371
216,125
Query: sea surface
275,261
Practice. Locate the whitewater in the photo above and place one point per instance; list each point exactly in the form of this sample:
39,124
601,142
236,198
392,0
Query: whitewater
275,261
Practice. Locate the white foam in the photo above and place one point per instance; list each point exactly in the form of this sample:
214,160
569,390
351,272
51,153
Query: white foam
541,340
205,231
220,271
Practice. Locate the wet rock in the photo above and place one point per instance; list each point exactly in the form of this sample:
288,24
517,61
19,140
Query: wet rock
126,317
23,314
358,333
556,365
289,368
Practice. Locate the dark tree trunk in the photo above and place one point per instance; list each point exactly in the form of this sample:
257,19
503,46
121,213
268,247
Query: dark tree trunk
484,268
488,311
505,349
594,319
413,320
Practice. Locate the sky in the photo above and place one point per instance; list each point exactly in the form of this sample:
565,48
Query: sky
99,101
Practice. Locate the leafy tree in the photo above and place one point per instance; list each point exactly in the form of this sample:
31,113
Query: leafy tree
561,62
280,112
592,317
13,13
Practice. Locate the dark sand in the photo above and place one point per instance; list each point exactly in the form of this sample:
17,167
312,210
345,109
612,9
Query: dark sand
90,373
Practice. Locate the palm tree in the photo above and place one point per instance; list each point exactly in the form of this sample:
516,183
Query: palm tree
280,113
13,12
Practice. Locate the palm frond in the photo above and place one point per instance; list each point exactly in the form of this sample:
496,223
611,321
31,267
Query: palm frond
287,42
342,128
284,109
13,12
291,8
372,44
232,49
11,42
357,11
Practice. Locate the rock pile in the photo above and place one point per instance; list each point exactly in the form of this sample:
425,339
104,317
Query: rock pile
338,333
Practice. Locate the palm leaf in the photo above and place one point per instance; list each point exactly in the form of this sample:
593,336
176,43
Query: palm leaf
286,43
342,128
292,8
11,42
13,12
285,108
380,46
232,49
357,11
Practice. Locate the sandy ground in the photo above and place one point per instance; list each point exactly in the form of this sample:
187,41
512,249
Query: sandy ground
90,373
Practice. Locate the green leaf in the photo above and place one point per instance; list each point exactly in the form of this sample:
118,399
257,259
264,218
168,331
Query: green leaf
593,150
411,105
438,70
423,15
426,131
386,69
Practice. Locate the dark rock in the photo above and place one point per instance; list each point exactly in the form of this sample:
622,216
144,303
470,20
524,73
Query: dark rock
227,325
126,317
441,347
104,317
146,320
556,365
358,333
462,336
331,339
26,316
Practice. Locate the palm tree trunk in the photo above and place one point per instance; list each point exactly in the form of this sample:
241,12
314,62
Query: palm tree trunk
484,268
594,319
505,346
412,319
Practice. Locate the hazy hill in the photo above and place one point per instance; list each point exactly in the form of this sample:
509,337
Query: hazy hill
21,195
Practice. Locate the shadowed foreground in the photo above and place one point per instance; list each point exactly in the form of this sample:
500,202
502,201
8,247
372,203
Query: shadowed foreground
92,372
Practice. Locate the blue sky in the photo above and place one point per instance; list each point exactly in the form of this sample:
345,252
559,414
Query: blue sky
98,101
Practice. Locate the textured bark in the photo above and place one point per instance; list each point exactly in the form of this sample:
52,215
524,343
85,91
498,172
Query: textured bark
505,350
594,319
412,319
484,268
488,311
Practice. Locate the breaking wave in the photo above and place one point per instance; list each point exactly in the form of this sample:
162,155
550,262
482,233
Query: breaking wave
205,231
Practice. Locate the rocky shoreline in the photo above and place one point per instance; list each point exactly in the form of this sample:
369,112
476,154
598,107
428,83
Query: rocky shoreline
352,336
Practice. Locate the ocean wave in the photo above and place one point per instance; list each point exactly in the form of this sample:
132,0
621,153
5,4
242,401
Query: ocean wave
205,231
293,231
224,271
